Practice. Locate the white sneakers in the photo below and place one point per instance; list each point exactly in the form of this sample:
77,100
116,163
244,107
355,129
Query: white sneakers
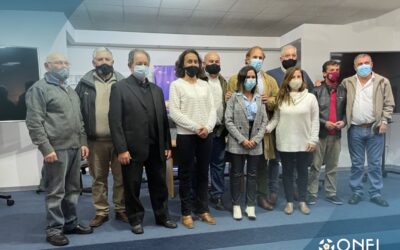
251,212
237,212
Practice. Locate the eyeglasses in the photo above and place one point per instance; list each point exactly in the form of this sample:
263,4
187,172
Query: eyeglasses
61,63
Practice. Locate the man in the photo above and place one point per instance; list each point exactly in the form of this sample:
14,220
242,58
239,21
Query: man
369,109
55,124
218,84
94,92
332,115
268,88
288,59
140,133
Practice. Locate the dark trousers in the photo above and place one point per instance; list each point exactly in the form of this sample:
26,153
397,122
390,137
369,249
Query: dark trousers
236,173
217,167
132,178
194,156
291,162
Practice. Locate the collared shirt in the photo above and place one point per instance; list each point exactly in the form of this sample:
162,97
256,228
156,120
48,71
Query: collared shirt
332,110
260,82
363,108
251,106
216,90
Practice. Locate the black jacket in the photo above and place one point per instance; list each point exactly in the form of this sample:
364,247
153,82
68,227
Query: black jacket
323,96
129,123
86,91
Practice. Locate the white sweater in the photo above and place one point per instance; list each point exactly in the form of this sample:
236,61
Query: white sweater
296,124
191,106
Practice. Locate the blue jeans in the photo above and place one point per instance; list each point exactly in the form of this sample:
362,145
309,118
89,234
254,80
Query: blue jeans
217,167
364,140
63,187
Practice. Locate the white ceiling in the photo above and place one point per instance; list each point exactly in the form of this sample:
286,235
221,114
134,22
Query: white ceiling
222,17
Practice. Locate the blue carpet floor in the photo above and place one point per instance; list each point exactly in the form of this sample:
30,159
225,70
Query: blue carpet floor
22,225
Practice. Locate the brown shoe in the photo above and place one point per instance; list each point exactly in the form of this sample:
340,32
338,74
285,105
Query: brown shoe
273,197
187,221
98,220
121,216
263,203
288,208
207,218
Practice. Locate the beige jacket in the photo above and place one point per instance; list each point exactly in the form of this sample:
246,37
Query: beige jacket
271,89
382,96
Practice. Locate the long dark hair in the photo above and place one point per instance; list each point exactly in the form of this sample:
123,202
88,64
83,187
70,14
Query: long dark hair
241,78
284,92
179,70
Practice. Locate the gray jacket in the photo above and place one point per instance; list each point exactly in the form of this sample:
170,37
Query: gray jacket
54,117
238,125
382,98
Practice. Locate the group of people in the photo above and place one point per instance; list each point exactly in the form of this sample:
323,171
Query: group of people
256,120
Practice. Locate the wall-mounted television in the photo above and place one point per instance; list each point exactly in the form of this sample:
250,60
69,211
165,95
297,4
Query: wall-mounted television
19,69
386,64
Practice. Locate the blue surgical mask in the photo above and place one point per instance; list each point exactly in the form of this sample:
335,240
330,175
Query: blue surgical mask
249,84
60,74
364,70
256,63
140,71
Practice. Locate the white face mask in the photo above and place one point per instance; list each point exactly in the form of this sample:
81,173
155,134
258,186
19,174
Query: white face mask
295,84
140,71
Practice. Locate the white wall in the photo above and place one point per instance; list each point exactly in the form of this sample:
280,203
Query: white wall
20,161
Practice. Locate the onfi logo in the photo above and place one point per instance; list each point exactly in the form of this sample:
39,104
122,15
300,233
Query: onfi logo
326,244
349,244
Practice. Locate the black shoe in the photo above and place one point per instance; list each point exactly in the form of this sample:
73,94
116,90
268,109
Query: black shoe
312,200
167,223
137,229
79,229
218,203
378,200
335,200
354,199
58,240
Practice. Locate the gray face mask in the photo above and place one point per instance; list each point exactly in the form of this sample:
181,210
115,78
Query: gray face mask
60,74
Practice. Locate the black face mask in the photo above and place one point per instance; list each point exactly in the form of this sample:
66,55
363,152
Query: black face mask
289,63
104,69
192,71
213,69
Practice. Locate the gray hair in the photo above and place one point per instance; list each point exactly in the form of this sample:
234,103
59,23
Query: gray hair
101,49
289,46
361,56
133,52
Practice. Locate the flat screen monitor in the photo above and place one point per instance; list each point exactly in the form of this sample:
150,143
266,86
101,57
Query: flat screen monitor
18,71
386,64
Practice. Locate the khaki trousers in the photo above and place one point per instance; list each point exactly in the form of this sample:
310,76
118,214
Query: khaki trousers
101,159
327,152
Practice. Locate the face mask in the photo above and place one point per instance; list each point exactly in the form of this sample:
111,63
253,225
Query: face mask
333,76
60,74
249,84
213,69
364,70
140,71
289,63
295,84
104,69
256,63
192,71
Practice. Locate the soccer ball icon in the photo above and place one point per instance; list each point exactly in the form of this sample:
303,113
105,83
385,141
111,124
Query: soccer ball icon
326,244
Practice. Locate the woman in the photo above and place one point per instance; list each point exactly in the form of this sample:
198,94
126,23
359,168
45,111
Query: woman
297,126
192,110
245,119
